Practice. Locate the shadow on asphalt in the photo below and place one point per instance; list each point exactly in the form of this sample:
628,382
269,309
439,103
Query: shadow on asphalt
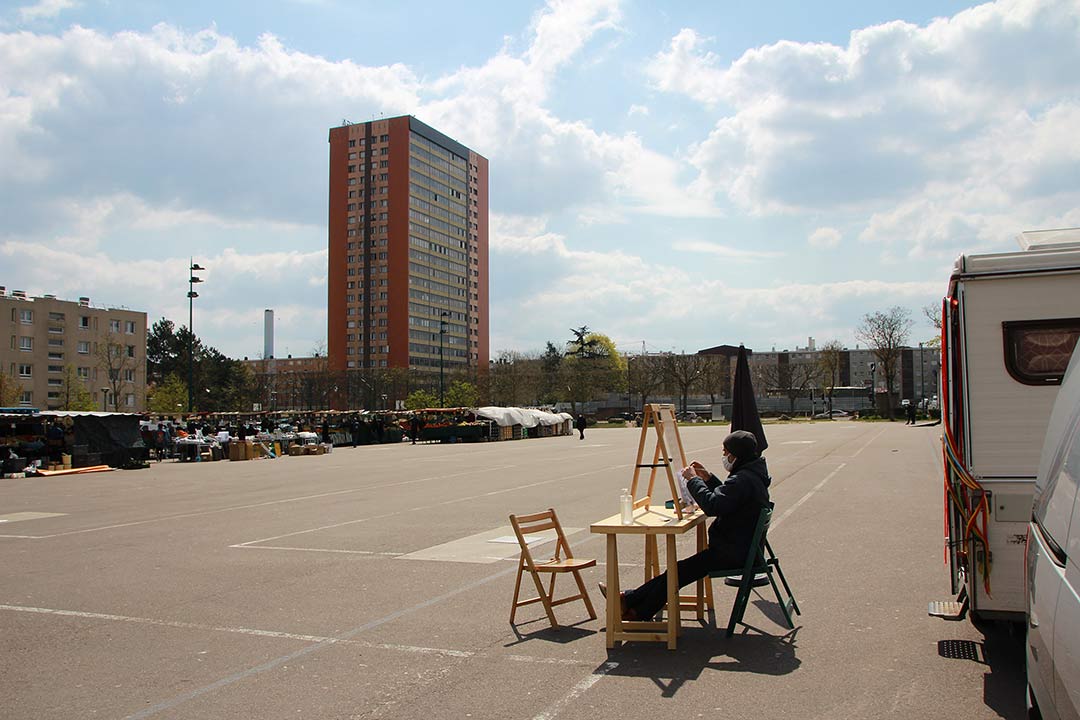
563,635
703,648
1001,652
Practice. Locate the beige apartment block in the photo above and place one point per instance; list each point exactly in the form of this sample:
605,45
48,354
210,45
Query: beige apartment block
104,346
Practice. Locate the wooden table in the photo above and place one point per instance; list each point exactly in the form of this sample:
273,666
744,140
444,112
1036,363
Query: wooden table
650,523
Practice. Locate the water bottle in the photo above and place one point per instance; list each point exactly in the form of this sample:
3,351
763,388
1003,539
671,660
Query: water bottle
626,507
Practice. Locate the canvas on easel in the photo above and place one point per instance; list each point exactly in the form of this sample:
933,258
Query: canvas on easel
667,453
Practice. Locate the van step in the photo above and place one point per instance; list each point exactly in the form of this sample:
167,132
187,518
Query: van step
948,609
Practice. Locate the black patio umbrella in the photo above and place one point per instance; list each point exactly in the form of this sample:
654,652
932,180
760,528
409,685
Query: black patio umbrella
744,412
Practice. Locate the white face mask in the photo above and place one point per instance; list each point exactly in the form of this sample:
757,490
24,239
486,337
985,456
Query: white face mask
728,464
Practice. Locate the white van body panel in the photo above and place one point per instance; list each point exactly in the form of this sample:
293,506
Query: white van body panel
1008,419
1053,604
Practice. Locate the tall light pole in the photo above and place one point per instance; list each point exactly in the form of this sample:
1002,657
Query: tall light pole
104,399
192,279
442,332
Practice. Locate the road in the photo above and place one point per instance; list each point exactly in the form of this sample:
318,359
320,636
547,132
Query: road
376,582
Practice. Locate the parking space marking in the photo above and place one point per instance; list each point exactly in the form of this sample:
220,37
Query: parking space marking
589,680
806,497
231,508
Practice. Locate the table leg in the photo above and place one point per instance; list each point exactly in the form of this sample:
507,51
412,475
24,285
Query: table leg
672,593
614,616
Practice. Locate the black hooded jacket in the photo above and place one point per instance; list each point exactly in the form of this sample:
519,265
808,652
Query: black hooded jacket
735,503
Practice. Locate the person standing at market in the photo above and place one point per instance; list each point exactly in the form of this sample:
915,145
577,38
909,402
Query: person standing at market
580,424
736,504
415,426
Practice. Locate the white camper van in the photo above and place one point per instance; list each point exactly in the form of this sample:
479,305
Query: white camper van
1009,325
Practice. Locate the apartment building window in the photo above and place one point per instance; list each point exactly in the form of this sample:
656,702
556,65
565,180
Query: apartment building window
130,351
129,327
55,382
26,317
84,347
56,342
129,400
26,370
114,326
56,356
57,317
26,343
83,373
56,368
129,375
27,398
84,322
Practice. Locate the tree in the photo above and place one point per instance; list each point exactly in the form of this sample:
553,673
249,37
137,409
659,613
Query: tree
73,392
646,375
886,333
715,378
461,394
168,398
420,399
683,372
932,312
791,380
592,366
829,358
550,386
117,364
10,391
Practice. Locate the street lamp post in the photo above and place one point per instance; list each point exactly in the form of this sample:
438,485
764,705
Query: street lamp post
192,279
442,334
104,399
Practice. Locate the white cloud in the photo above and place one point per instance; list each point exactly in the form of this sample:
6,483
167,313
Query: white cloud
825,237
976,107
635,109
45,9
724,251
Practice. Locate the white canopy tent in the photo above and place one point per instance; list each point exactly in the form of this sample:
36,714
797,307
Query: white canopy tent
525,417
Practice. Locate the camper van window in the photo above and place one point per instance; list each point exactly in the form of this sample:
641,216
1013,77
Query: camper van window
1038,351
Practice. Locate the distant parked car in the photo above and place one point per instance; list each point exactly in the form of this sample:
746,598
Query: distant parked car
835,413
688,417
1053,563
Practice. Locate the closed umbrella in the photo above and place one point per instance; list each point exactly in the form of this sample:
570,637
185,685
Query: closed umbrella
744,412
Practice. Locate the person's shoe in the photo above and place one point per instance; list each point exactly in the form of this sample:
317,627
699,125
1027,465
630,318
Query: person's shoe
603,589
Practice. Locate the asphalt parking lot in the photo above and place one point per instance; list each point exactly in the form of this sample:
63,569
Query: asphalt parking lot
376,583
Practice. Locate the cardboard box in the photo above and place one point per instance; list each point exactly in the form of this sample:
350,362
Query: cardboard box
296,450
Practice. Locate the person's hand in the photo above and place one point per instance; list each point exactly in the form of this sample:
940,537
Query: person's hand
699,470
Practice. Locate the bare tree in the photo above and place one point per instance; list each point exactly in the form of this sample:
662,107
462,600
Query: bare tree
932,312
790,380
683,371
885,334
73,392
117,361
645,375
715,376
828,363
10,390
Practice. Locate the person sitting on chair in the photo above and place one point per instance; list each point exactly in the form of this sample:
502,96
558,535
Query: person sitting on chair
735,503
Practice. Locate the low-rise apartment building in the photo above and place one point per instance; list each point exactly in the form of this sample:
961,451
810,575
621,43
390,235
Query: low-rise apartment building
54,344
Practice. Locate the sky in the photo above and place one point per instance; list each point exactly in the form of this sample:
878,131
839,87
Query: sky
673,175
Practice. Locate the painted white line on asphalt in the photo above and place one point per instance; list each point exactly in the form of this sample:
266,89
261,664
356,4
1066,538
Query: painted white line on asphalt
421,508
578,689
806,497
366,488
278,661
868,443
322,550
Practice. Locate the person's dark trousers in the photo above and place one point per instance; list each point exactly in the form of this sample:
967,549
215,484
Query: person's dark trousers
582,431
647,600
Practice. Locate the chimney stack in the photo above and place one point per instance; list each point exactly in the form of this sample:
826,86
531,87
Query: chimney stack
268,334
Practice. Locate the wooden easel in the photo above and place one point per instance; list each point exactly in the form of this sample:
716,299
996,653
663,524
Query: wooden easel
668,450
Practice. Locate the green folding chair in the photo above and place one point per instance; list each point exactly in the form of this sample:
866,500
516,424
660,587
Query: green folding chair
761,561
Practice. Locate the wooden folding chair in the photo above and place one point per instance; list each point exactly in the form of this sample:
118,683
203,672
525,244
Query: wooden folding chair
563,561
761,561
